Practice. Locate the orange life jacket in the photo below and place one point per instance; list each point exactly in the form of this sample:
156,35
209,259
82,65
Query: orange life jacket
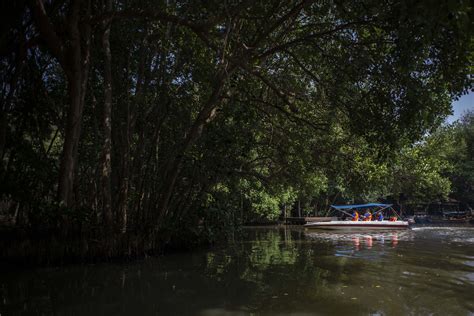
355,217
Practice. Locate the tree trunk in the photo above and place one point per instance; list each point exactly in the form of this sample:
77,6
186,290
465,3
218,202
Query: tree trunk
207,113
122,205
5,106
107,126
73,54
3,134
71,141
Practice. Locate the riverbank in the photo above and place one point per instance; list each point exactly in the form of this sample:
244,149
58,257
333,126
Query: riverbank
52,247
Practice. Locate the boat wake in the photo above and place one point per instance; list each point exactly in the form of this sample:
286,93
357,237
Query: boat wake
443,227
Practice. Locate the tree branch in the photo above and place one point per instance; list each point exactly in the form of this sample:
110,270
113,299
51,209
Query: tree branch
311,36
293,12
292,117
303,67
47,32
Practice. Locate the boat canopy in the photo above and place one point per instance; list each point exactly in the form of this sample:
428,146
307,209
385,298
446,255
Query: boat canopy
347,207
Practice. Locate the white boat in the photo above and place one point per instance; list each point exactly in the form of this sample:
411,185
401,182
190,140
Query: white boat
393,224
359,226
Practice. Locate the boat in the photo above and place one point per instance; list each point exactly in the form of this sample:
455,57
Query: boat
393,224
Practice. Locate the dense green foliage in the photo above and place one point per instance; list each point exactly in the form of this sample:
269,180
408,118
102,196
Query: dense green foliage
138,116
461,155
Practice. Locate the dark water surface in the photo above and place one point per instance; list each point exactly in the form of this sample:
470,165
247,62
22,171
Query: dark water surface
271,271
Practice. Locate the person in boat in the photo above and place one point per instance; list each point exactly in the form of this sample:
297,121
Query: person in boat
355,216
379,216
367,216
393,219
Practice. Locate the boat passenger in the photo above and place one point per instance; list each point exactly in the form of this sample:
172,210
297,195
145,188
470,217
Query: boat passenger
355,216
379,216
393,219
367,216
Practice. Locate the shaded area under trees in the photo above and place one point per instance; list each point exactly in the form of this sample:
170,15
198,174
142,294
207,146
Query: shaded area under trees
129,125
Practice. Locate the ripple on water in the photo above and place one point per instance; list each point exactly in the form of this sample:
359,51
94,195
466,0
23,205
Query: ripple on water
271,272
464,240
348,236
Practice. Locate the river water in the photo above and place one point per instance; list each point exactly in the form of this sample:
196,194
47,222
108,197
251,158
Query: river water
268,271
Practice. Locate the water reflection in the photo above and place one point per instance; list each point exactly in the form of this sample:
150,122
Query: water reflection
349,243
267,271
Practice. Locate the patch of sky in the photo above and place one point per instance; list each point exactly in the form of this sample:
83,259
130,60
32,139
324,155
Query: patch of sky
461,106
181,79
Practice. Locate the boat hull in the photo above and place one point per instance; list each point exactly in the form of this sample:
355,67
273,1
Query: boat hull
358,226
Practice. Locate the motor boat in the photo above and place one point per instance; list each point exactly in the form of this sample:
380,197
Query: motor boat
393,223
